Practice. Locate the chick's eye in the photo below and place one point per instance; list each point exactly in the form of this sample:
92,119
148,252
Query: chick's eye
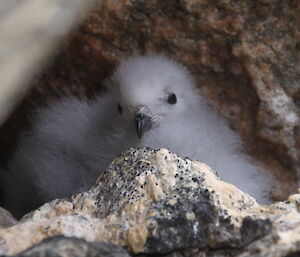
172,99
120,108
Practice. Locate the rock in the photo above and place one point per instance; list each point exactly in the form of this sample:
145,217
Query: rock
154,202
30,33
6,219
244,55
60,246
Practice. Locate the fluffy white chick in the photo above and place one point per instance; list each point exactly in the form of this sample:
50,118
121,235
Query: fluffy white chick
152,102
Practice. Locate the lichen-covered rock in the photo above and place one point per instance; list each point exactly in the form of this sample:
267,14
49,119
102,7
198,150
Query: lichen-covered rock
153,201
60,246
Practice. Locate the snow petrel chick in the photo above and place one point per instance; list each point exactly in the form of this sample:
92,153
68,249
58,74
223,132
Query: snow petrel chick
152,102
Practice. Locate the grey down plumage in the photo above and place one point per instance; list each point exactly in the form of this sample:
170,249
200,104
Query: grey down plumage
151,102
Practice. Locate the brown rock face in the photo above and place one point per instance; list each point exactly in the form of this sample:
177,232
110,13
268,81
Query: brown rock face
245,56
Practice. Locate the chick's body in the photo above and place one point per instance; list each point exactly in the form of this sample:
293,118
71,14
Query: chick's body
152,102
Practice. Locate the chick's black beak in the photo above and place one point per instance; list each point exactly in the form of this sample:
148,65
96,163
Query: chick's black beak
143,123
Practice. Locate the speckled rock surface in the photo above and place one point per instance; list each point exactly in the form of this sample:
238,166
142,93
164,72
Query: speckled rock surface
156,202
244,54
60,246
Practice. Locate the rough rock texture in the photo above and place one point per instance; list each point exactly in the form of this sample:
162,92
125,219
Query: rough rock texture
244,54
60,246
156,202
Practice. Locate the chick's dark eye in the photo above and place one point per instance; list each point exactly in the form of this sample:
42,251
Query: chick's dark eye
120,108
172,99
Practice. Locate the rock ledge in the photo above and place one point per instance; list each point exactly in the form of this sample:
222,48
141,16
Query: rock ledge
152,201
